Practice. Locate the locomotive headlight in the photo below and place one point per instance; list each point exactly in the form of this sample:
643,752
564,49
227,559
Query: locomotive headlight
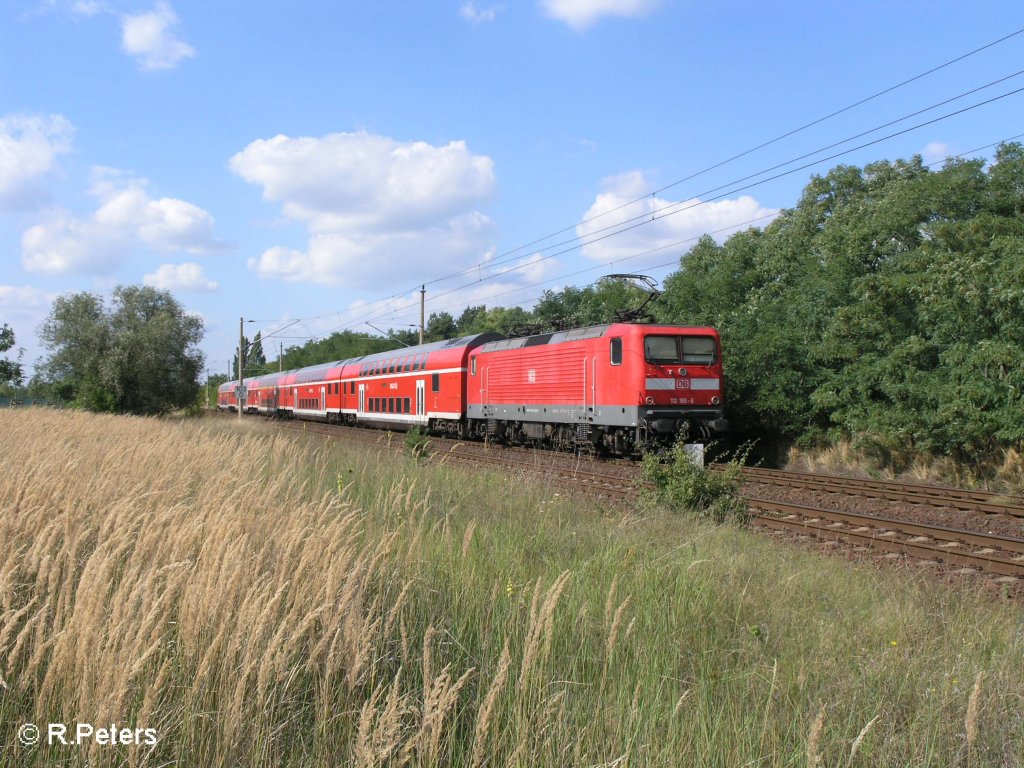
716,400
649,400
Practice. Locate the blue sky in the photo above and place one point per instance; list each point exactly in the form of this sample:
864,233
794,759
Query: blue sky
321,160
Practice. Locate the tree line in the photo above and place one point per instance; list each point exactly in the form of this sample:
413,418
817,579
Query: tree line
887,307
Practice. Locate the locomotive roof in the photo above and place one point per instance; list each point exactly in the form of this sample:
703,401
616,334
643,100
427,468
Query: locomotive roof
576,334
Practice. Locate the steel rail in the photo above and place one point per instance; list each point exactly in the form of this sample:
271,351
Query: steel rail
941,496
879,532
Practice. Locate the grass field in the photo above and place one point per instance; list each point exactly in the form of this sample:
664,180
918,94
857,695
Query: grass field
263,599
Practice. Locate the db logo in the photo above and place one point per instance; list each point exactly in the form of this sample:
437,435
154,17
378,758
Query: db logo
531,376
682,383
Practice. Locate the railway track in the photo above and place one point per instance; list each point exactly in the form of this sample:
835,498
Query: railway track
1001,556
917,493
991,553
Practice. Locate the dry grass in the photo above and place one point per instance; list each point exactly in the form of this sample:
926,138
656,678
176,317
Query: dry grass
1006,475
222,585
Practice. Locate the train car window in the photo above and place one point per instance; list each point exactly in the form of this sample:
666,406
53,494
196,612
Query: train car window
472,366
407,405
698,350
391,405
616,351
435,382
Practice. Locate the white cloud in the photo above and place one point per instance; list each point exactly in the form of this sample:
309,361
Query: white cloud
180,277
29,145
475,15
127,218
935,152
582,14
89,7
25,299
375,209
666,222
150,38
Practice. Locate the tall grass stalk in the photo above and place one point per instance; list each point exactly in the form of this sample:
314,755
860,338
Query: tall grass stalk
217,582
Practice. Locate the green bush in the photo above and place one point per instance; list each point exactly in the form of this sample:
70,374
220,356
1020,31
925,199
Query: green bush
708,493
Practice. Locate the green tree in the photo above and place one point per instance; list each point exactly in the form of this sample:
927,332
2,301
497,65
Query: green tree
886,307
140,356
440,326
10,370
472,320
255,360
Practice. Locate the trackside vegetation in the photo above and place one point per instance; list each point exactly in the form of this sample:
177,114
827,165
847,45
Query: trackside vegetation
264,599
683,485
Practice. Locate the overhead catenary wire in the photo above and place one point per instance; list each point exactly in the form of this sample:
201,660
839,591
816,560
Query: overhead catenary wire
501,258
647,267
508,255
676,208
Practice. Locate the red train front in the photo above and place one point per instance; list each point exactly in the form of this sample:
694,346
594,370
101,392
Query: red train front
618,388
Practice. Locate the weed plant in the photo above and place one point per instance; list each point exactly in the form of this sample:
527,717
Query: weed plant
683,485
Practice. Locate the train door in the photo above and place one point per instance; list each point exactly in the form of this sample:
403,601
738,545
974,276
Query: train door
421,397
323,399
362,398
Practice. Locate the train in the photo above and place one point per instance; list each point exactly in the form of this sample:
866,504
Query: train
620,389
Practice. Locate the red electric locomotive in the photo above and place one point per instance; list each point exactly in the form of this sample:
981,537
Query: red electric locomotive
617,388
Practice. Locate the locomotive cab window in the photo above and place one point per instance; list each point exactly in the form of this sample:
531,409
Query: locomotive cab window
698,350
435,382
679,350
616,351
472,366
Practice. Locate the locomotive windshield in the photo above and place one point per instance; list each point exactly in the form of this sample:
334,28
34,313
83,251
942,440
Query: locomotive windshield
680,350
